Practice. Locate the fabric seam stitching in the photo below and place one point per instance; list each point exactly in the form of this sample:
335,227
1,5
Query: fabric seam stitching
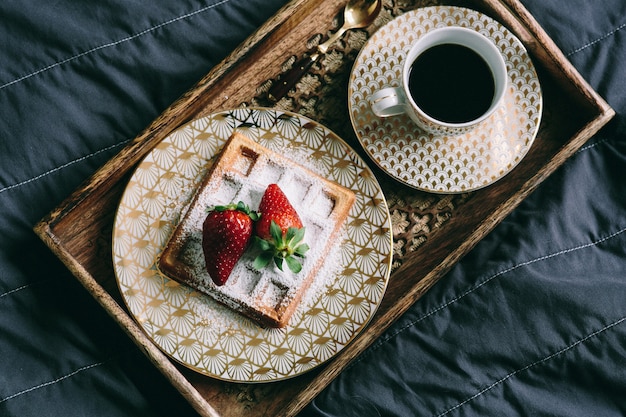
14,290
533,364
412,323
45,384
60,167
113,43
598,40
173,20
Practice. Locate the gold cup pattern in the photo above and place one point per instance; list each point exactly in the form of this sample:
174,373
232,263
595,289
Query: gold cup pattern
456,162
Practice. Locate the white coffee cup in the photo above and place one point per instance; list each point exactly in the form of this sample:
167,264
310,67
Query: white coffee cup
393,101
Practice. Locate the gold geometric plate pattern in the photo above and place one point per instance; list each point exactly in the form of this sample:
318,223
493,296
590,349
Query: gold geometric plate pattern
438,163
200,333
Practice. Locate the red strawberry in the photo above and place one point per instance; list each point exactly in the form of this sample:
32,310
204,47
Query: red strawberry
226,233
279,231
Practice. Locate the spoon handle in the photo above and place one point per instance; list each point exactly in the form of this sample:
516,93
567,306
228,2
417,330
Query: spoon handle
288,80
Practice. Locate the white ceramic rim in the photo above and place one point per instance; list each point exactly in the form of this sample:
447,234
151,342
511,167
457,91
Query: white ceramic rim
476,42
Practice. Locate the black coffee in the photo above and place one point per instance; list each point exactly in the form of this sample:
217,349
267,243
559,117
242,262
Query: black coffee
451,83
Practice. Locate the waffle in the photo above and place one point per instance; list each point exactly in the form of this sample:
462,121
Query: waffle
243,171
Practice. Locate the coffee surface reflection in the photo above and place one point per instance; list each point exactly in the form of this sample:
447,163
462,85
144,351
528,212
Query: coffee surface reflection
451,83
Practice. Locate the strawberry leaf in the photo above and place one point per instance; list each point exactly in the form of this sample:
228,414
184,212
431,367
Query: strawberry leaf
297,234
278,260
289,248
262,244
240,206
291,232
294,265
301,250
262,260
276,232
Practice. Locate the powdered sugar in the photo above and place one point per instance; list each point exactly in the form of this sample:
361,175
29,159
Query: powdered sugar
270,291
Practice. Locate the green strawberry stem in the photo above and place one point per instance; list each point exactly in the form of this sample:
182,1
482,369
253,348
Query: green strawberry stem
240,206
289,248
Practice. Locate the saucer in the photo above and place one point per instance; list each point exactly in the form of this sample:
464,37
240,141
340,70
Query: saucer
435,163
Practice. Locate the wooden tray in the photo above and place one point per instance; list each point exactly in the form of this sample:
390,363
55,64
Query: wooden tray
431,232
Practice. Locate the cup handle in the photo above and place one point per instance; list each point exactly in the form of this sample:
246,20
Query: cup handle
387,102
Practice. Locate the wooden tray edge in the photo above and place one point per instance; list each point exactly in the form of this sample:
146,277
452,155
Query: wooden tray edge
128,325
111,172
167,121
528,29
531,33
164,124
380,323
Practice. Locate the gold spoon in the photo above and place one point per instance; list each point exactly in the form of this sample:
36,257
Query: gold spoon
356,15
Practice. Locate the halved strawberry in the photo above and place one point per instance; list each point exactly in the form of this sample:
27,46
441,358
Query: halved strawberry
279,232
226,233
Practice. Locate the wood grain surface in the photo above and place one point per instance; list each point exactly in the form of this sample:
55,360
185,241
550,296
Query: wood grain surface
79,230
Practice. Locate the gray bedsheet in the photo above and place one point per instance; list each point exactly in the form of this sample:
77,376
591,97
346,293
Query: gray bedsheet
531,322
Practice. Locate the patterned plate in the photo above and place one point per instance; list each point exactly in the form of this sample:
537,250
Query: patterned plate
202,334
437,163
